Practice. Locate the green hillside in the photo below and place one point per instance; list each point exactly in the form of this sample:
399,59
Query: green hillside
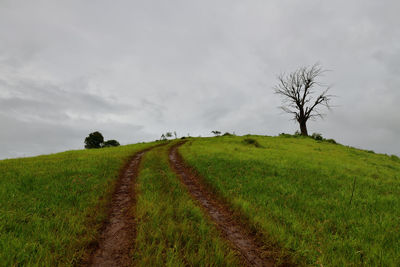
313,202
297,192
52,206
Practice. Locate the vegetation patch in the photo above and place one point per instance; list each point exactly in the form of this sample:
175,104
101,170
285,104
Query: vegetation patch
251,141
315,136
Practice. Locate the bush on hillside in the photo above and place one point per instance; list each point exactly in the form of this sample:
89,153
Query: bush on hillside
317,137
295,135
285,135
251,141
110,143
332,141
227,134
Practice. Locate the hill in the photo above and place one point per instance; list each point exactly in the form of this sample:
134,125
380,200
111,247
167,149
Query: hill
308,202
299,194
52,206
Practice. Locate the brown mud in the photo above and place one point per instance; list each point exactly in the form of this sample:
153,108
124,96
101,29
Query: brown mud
117,237
238,235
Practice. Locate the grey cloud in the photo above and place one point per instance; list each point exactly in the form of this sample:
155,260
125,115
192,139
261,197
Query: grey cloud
28,98
136,69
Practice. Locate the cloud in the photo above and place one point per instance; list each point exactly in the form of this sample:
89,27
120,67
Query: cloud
139,68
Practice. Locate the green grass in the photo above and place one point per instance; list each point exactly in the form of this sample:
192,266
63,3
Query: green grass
172,230
52,206
297,191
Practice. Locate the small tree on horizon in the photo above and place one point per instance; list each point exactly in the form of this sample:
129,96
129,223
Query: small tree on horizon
297,89
216,133
94,140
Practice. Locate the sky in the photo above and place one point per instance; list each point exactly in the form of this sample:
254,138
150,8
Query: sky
136,69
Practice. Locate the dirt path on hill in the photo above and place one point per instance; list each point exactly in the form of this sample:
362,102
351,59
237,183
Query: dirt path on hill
117,237
236,233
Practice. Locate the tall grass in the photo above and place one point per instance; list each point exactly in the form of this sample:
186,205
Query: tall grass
171,228
326,204
52,206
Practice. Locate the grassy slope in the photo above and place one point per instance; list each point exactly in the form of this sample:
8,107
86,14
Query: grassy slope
49,205
171,228
297,192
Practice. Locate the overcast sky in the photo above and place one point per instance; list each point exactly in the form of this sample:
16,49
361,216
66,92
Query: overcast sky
135,69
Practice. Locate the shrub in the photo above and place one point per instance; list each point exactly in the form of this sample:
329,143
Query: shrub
110,143
285,135
227,134
317,136
297,133
332,141
216,133
251,141
94,140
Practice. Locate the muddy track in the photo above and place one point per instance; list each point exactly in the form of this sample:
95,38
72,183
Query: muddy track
117,237
239,237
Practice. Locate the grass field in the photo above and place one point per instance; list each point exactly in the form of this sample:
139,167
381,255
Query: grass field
298,193
51,206
320,203
172,230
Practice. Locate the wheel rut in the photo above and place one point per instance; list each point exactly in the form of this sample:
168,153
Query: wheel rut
116,240
242,239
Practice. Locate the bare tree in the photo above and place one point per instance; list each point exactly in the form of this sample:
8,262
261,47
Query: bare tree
299,94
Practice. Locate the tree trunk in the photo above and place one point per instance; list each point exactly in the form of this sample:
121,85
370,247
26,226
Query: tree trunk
303,128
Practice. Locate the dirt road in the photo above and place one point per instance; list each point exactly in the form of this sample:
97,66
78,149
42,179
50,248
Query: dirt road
118,235
236,233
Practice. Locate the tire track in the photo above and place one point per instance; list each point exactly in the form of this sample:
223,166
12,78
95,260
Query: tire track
117,237
241,238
